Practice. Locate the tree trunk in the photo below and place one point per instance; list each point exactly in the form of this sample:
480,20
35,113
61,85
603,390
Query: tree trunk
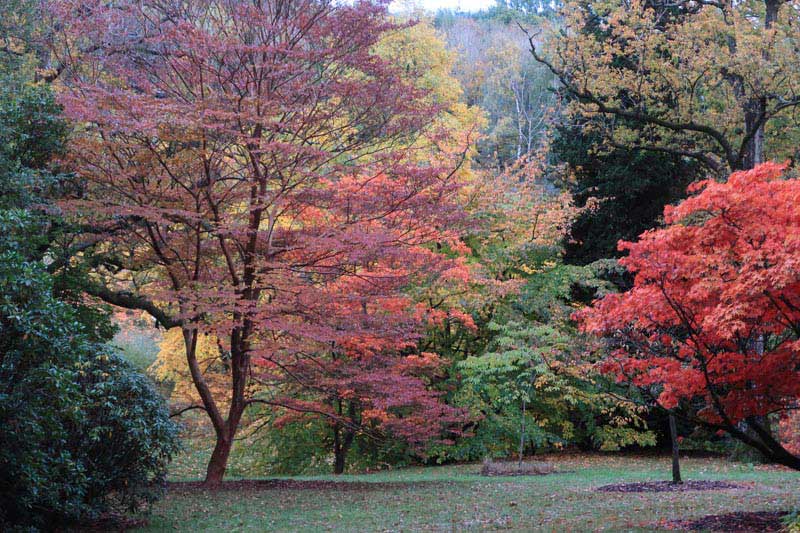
225,429
520,135
339,458
343,437
771,12
522,434
342,440
782,456
219,461
759,105
756,107
768,444
754,150
759,437
771,8
673,434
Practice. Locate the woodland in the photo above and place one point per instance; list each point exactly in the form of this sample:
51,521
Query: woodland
283,265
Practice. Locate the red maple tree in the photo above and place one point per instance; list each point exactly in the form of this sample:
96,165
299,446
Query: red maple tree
714,314
255,171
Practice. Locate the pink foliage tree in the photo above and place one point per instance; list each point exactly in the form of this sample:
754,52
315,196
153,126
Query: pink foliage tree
254,170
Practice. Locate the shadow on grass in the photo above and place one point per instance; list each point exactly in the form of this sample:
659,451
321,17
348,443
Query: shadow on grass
295,484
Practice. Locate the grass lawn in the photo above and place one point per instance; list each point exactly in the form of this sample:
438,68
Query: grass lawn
456,498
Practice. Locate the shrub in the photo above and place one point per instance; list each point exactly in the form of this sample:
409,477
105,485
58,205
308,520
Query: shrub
80,431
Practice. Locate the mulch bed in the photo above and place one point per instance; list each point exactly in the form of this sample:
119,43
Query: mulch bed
294,484
523,472
734,522
668,486
513,468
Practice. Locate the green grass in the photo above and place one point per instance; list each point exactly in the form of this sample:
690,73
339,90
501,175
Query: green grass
456,498
138,346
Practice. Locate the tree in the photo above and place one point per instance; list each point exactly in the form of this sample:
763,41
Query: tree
517,224
674,444
262,176
16,35
710,81
504,326
714,312
528,8
516,95
529,386
344,389
622,192
499,74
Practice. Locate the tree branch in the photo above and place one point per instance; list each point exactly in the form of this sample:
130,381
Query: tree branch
703,158
586,96
179,412
127,300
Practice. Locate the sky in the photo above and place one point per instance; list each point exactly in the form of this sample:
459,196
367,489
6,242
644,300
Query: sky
433,5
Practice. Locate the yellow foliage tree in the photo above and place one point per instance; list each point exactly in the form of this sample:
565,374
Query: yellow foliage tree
170,367
424,54
716,81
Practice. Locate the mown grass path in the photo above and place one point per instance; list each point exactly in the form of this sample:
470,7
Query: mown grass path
456,498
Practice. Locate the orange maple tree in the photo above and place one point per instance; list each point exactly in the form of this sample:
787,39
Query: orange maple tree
714,314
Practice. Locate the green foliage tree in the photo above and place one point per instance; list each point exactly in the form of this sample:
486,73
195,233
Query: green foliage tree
529,385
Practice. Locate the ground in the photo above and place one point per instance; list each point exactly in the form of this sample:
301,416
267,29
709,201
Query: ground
457,498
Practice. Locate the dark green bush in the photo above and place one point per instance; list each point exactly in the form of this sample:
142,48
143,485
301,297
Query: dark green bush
81,432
